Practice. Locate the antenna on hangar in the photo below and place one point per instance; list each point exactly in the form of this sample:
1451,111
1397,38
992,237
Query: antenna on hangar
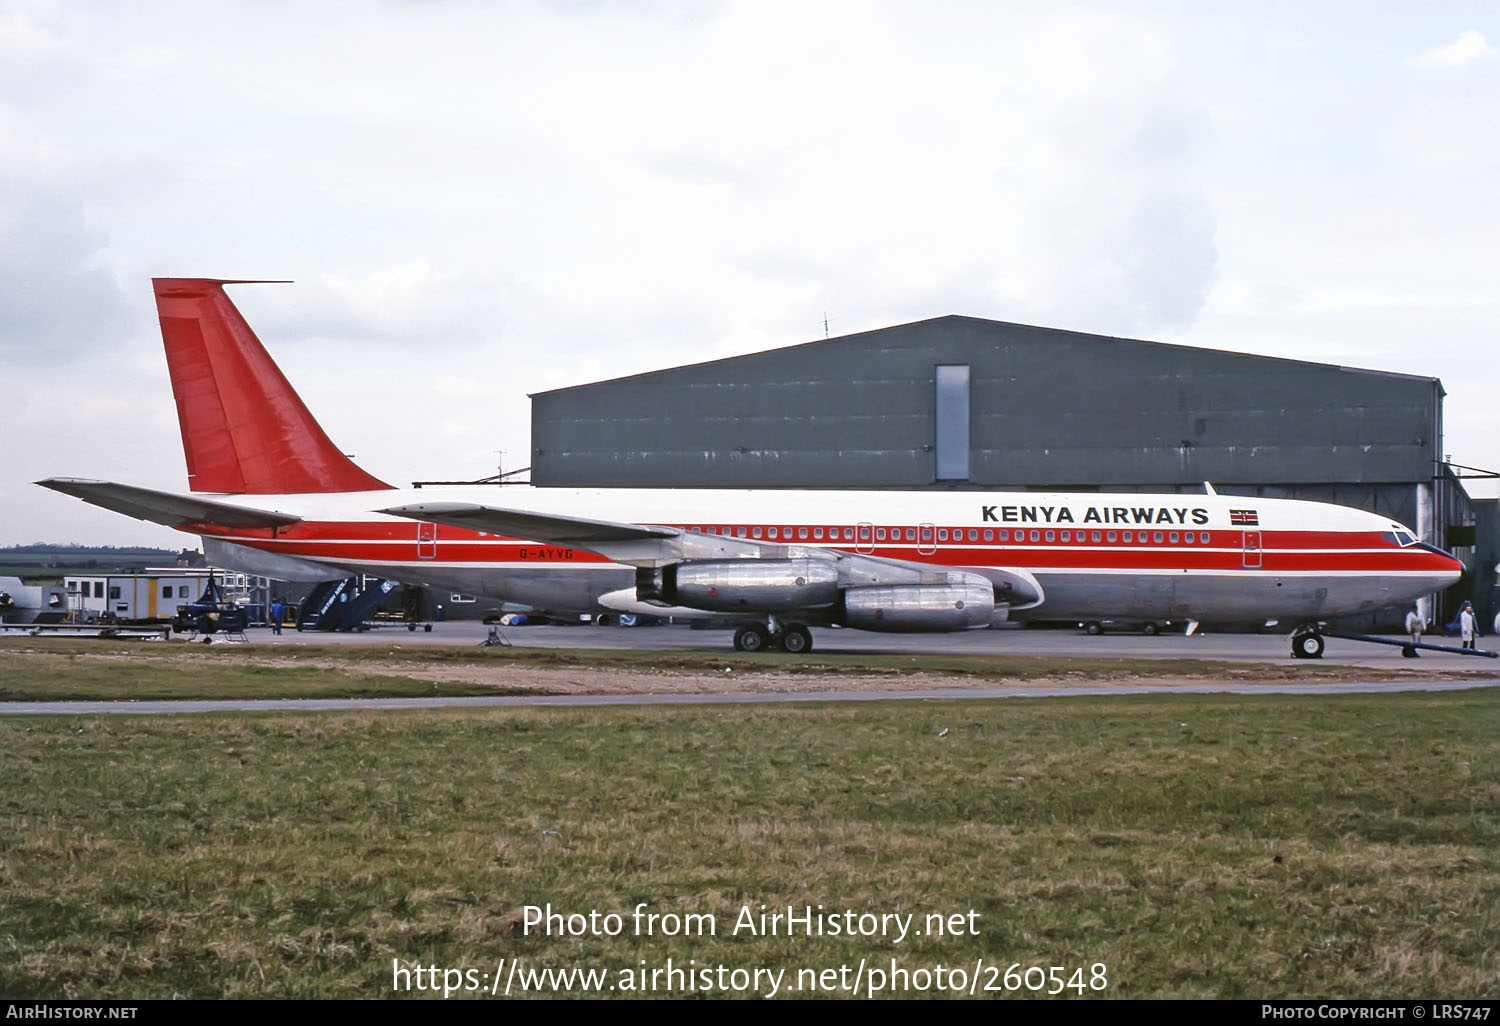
825,323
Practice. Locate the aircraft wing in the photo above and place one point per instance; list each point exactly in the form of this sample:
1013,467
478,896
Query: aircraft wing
631,544
167,508
515,523
645,546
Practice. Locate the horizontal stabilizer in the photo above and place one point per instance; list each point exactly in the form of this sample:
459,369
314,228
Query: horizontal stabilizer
540,527
167,508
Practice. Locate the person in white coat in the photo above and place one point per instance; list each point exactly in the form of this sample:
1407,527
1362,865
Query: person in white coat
1415,625
1467,623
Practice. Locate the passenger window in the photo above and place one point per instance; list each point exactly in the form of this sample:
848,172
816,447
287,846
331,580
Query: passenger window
880,534
1004,536
1050,536
1157,538
1096,536
1172,538
848,534
740,532
911,534
990,535
802,532
770,534
1204,536
1066,536
973,534
942,534
1129,537
1112,536
1037,537
755,533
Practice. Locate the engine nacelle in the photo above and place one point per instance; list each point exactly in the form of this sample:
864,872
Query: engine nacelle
921,607
759,585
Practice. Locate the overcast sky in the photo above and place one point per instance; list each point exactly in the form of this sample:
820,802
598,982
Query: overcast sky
479,200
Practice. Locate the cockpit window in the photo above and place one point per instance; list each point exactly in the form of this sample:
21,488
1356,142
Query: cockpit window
1399,535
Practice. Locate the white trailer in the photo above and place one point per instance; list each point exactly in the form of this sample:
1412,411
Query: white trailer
152,596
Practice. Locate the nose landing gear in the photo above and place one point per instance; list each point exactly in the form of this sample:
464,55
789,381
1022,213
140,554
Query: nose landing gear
1307,643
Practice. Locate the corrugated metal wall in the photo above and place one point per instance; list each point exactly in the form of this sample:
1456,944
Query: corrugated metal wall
1049,409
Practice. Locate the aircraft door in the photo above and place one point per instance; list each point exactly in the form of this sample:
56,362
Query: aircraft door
864,537
426,540
926,539
1251,552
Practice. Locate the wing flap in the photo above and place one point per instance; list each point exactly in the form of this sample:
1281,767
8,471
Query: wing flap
166,508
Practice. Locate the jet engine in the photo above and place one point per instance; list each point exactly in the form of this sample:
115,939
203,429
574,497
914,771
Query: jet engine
955,606
762,585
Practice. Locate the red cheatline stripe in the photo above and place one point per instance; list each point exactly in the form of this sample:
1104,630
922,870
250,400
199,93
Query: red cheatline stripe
1057,557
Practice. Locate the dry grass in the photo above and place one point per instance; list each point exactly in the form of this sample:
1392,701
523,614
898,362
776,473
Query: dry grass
1199,846
37,669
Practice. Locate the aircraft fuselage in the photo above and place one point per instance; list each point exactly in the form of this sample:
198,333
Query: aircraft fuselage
1134,555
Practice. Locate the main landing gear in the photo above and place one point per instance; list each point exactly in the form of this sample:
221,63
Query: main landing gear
790,637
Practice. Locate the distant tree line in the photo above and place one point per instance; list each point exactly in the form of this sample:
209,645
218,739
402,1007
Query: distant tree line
95,557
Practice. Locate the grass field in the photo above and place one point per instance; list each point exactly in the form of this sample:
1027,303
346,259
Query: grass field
1214,846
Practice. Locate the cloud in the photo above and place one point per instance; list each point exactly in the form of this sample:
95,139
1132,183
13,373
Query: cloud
483,200
57,301
1469,47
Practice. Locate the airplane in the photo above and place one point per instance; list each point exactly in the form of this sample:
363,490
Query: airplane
269,493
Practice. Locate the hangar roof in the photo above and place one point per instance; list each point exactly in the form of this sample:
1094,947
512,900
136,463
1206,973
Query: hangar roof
874,336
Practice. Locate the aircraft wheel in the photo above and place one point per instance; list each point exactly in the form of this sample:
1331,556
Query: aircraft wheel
427,627
752,638
1150,630
1307,646
1093,627
796,639
1408,652
412,627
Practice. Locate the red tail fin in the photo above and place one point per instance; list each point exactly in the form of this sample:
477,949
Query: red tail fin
243,427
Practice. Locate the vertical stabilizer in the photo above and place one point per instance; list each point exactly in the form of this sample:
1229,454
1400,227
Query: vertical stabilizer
244,429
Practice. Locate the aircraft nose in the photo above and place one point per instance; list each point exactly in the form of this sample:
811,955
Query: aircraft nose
1451,563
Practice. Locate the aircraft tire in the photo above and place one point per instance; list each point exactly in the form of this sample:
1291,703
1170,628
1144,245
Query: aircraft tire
1150,630
1093,627
752,638
1307,646
796,639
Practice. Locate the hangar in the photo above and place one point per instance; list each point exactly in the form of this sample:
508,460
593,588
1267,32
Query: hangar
967,403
